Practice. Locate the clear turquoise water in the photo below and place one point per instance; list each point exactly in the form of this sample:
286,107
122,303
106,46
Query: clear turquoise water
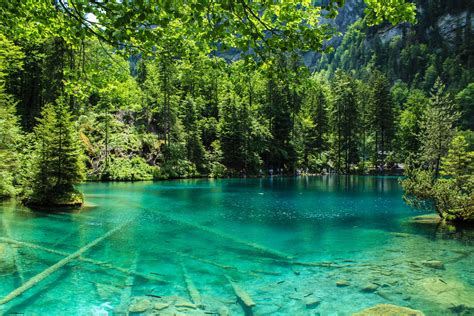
356,229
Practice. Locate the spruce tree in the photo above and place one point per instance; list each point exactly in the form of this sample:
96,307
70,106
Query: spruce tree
344,121
10,136
459,161
437,128
194,147
382,117
231,131
58,160
282,155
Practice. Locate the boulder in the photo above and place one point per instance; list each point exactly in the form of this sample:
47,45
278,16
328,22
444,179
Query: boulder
140,305
389,310
369,288
160,306
311,301
342,283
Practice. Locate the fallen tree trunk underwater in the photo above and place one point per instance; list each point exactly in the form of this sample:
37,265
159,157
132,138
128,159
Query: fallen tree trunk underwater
102,264
55,267
241,294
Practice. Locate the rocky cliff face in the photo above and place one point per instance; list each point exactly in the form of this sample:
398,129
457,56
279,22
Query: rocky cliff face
452,25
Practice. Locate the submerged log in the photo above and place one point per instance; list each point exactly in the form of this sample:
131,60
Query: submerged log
316,264
254,246
16,257
227,267
192,290
58,265
126,294
241,294
213,263
102,264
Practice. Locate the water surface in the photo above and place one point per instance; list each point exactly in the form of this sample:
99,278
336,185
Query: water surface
287,242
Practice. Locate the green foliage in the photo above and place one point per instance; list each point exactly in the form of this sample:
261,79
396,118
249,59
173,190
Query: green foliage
10,131
263,26
344,118
214,159
282,154
57,160
313,126
231,131
410,123
465,101
437,127
394,11
451,198
383,117
195,150
133,169
10,137
458,162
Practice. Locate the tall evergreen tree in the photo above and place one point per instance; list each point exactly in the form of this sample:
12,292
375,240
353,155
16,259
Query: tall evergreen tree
10,132
189,119
314,123
382,115
344,123
409,125
282,153
437,128
10,136
459,162
58,160
232,132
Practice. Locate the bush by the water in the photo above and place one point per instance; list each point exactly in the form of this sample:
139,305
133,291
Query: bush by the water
135,168
451,196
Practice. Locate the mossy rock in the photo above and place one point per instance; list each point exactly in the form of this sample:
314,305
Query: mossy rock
389,310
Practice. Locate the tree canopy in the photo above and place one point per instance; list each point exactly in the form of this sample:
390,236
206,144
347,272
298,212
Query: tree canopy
254,27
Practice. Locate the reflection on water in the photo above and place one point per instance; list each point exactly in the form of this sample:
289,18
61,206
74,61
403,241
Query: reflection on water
295,246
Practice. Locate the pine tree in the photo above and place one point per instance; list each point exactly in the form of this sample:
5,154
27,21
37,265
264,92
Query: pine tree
11,60
344,121
382,115
313,123
232,133
58,162
458,162
10,136
437,128
282,153
194,147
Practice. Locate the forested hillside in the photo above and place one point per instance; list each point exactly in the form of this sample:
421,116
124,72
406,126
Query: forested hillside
183,112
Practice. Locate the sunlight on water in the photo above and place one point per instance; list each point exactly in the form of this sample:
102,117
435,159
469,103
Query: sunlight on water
296,246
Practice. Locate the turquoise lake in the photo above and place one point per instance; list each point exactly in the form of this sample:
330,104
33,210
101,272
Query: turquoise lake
323,245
